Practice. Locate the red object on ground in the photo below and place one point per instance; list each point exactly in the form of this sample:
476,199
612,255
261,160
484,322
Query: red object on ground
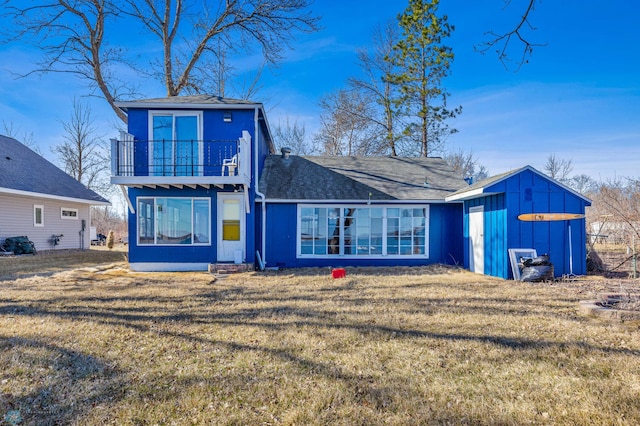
338,273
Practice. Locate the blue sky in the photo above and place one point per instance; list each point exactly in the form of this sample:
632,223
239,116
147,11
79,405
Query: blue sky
577,98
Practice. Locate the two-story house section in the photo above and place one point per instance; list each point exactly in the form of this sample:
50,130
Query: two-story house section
189,166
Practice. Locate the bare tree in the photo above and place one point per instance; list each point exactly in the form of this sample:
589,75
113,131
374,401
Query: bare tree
344,127
615,214
83,154
376,84
503,42
79,36
466,165
558,169
583,184
292,135
26,138
106,218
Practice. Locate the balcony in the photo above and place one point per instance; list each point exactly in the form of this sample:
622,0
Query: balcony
171,163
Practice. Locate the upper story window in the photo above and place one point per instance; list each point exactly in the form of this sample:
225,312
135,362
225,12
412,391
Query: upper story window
176,143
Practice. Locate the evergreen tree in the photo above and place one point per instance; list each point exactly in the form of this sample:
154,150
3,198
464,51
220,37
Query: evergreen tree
423,61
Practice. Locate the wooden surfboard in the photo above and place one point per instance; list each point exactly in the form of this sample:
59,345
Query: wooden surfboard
548,217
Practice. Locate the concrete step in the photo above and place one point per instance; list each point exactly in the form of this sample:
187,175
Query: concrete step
230,268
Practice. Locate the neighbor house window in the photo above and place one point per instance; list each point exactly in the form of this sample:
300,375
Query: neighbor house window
38,215
66,213
363,231
174,221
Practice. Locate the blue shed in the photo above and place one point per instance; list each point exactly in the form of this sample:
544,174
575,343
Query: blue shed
491,225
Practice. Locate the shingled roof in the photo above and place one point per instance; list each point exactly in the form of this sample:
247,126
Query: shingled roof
22,171
354,178
190,101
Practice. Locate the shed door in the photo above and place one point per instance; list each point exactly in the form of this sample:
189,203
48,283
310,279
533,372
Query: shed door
476,239
231,227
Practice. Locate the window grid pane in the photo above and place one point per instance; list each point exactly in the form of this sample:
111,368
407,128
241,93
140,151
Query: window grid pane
361,231
173,221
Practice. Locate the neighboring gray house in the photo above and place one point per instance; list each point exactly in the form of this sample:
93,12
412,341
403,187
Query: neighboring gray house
39,200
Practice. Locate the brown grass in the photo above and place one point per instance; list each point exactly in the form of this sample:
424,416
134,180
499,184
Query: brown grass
51,261
102,345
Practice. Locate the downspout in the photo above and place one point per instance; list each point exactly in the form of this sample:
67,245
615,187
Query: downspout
260,194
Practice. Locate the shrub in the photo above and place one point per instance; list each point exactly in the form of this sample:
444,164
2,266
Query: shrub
110,239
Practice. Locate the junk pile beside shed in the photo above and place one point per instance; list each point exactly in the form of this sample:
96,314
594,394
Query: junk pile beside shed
538,268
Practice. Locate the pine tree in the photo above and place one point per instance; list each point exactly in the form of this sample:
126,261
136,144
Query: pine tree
424,61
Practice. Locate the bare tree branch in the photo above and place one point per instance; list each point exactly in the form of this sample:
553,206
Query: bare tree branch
501,42
74,37
83,154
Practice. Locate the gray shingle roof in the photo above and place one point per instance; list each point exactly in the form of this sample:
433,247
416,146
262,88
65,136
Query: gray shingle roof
354,178
195,101
21,169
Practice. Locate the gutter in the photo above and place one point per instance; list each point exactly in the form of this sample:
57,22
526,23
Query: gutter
260,194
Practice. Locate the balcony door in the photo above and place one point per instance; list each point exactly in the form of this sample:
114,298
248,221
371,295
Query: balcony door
176,145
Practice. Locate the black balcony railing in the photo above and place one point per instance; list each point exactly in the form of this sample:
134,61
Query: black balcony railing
175,157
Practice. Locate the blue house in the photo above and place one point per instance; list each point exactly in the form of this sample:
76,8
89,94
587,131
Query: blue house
190,166
492,227
205,187
360,211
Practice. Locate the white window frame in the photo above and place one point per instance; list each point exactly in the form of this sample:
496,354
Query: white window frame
342,207
68,209
155,218
174,114
35,220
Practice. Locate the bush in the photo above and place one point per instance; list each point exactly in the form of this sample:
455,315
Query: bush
110,239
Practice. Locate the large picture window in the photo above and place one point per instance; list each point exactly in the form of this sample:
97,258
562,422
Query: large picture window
174,221
363,231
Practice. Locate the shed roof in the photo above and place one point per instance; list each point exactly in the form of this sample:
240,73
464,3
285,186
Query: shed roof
485,187
357,178
24,172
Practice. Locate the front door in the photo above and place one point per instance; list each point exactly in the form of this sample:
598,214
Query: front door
476,239
231,236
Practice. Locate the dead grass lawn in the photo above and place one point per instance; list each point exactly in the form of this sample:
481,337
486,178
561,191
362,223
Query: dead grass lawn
102,345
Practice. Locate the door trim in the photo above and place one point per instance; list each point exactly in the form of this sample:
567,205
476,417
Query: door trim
476,247
224,254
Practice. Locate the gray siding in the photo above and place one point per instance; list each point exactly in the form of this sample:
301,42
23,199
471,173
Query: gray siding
16,219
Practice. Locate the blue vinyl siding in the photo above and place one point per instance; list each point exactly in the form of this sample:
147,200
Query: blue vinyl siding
445,232
529,192
183,254
214,128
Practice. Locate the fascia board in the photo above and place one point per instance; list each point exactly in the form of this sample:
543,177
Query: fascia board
53,197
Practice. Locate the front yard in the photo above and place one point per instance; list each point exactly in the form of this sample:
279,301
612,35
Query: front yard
102,345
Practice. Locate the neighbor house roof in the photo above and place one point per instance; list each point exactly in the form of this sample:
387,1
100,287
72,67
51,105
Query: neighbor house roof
357,178
23,172
486,186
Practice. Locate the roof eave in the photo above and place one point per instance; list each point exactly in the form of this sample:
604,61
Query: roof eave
54,197
124,106
350,201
